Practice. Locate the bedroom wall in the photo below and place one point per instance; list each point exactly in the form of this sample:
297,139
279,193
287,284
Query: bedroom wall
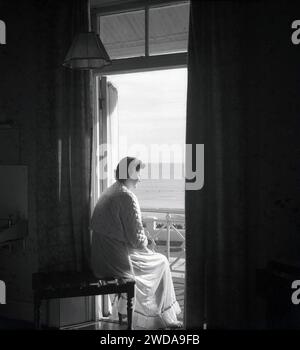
17,146
21,73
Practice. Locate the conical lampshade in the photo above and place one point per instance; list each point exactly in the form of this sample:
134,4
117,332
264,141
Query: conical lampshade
86,52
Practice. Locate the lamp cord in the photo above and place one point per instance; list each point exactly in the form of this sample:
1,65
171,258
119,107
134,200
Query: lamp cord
89,15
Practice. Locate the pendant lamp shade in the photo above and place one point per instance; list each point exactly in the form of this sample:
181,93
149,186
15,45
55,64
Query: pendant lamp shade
86,52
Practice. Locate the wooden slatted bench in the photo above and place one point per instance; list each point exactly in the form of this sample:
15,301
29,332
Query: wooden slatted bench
57,285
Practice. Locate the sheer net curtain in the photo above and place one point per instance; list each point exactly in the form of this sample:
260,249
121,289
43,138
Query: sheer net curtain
63,140
105,157
113,131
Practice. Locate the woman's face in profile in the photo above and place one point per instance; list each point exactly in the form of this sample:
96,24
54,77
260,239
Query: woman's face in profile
138,179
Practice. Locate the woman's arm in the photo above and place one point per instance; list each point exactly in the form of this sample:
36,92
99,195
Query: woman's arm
131,219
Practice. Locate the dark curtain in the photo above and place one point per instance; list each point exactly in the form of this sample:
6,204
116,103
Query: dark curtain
243,105
63,134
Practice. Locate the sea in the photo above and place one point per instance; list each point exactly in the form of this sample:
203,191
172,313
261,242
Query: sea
159,190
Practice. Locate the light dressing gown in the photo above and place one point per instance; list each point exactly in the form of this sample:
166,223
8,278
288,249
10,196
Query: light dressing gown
119,249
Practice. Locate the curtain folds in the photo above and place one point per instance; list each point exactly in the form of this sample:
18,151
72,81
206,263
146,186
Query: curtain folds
243,105
215,215
63,133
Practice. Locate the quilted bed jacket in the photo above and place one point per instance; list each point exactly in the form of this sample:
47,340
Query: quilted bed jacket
117,215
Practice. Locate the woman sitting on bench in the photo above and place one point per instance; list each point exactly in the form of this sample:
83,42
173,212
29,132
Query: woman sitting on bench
120,248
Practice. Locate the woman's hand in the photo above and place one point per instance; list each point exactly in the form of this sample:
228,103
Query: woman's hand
151,244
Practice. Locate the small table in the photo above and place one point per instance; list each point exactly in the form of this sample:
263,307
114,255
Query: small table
56,285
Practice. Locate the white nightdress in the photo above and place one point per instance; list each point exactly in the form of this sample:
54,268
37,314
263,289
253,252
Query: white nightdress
119,249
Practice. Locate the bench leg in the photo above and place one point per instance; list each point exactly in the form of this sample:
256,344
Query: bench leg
120,315
130,296
120,319
129,310
37,312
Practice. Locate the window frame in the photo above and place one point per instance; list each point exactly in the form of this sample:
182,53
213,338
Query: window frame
122,66
147,62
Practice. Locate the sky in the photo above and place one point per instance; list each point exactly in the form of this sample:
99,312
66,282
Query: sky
152,110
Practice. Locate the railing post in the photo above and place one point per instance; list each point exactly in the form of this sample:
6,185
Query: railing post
168,217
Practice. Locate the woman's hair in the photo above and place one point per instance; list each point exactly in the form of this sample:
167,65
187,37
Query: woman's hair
128,168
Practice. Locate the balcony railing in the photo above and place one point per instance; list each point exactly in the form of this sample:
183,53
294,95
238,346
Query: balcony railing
167,228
